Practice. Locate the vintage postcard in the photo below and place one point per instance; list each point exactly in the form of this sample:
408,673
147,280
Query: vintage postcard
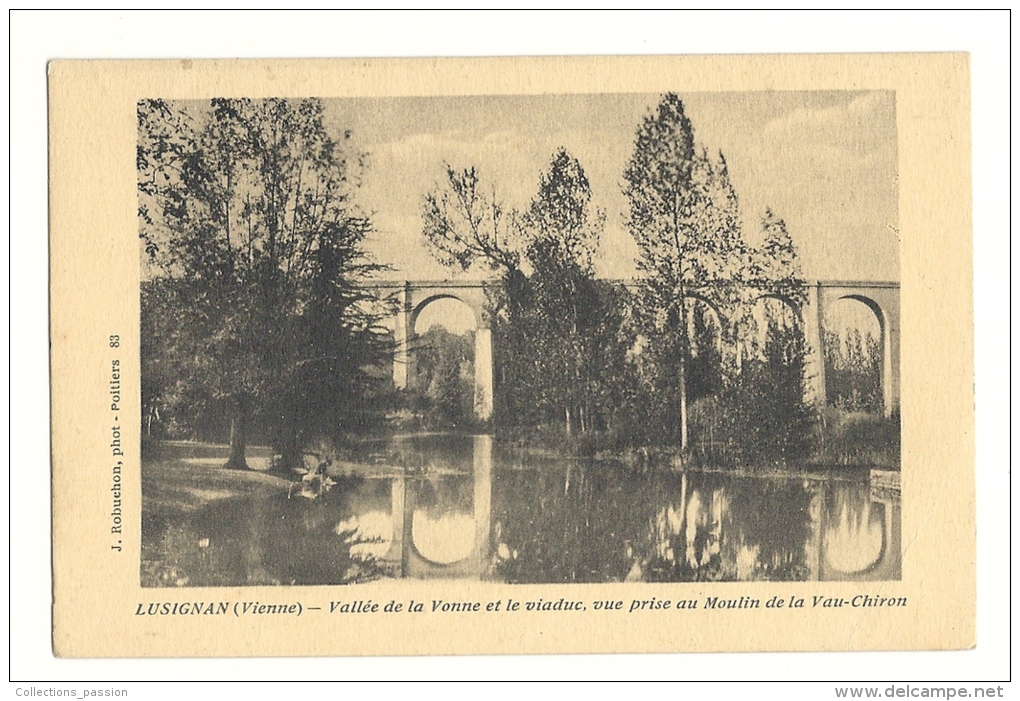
524,355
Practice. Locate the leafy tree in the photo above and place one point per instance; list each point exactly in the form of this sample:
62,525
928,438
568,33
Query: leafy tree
462,226
774,267
444,372
253,250
772,419
549,313
684,215
767,418
706,367
563,234
561,228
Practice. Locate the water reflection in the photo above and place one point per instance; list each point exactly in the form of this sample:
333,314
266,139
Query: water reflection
860,538
447,506
608,525
272,539
441,518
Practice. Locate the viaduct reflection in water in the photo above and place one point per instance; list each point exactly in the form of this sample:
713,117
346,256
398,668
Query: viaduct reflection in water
452,506
572,521
436,521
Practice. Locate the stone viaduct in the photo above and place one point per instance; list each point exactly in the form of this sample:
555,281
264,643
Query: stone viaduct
883,298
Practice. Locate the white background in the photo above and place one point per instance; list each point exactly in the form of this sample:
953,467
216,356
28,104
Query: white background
38,37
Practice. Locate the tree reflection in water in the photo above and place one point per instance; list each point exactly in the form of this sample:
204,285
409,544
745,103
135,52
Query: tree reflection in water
570,524
448,507
263,540
592,523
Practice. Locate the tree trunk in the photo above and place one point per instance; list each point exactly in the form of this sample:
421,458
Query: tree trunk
290,454
683,403
685,354
238,441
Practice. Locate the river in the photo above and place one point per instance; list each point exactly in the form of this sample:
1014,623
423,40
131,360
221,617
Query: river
447,506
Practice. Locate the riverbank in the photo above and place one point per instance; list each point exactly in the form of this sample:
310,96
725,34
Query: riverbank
207,525
841,440
857,438
185,476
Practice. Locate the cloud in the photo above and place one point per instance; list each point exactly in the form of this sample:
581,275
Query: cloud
862,114
831,173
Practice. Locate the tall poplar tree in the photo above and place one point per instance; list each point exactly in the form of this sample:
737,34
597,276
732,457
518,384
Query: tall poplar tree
563,232
684,217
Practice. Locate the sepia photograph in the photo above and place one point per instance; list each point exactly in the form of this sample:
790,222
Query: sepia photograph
372,346
511,356
527,339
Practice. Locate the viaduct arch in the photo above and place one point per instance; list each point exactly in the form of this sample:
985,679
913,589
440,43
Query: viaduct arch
883,298
412,296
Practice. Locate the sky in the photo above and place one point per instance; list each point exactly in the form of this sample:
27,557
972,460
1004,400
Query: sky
825,162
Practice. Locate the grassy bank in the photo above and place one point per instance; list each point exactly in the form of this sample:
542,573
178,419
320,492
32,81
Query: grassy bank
857,438
183,476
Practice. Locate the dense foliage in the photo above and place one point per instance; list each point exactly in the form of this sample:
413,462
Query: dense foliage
853,375
628,365
253,253
252,307
444,377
